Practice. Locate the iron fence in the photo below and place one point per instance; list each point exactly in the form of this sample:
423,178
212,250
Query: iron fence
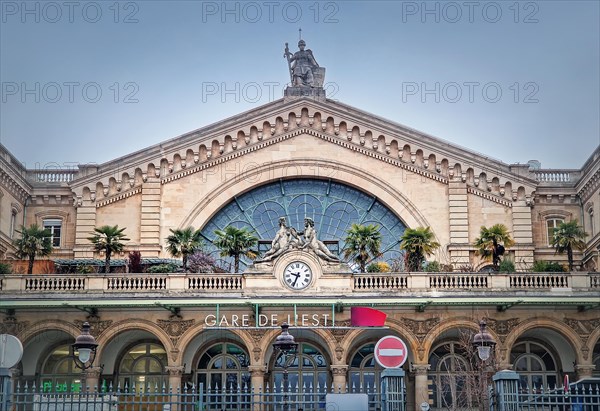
576,397
146,398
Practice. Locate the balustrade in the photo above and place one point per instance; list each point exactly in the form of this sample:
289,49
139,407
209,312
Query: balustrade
541,280
58,176
215,282
55,283
135,283
380,282
463,281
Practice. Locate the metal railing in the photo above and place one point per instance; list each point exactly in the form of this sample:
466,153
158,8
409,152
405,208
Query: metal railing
146,398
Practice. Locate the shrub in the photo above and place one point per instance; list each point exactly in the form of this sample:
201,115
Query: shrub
84,269
547,267
378,267
466,268
373,268
432,267
163,268
5,268
135,262
199,262
506,266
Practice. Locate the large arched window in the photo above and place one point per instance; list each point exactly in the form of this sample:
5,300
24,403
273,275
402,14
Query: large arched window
535,364
365,373
451,377
308,376
222,374
333,206
143,366
58,372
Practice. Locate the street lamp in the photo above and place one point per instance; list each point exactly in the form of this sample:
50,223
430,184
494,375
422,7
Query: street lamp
285,344
484,343
84,349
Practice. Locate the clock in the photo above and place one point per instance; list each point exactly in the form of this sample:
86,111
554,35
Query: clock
297,275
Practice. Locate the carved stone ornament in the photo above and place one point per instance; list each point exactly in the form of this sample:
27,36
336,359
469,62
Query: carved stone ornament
339,353
420,328
12,326
97,326
502,327
583,327
256,334
175,327
175,371
339,369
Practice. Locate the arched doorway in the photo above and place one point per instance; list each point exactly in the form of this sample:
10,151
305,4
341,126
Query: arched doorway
142,367
536,364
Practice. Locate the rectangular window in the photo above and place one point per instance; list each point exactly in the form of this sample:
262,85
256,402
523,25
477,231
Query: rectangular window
54,226
552,224
13,223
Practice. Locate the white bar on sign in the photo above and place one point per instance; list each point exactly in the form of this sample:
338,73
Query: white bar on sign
390,352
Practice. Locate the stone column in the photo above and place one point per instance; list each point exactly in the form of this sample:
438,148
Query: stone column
421,386
92,379
340,375
257,375
584,370
175,373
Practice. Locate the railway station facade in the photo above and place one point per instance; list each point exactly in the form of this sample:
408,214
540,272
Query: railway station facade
303,156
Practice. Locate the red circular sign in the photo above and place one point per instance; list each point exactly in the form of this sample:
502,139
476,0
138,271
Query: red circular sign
390,352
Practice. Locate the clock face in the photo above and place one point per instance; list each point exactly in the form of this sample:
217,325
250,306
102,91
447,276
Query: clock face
297,275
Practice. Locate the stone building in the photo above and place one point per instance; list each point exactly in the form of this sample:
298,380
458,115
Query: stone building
303,156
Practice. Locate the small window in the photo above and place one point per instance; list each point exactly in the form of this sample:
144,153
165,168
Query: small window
552,224
54,226
13,223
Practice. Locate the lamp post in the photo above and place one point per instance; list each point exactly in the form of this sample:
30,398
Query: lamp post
83,350
285,344
484,343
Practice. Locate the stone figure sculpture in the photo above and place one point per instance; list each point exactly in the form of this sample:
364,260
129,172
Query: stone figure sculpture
303,67
287,238
312,243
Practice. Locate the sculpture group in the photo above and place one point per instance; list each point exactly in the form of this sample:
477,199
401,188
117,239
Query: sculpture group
287,239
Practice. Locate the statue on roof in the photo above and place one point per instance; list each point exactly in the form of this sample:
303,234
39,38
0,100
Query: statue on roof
304,69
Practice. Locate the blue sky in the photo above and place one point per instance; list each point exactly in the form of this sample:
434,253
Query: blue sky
86,82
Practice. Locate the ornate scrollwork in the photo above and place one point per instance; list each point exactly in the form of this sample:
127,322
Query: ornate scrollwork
502,327
420,328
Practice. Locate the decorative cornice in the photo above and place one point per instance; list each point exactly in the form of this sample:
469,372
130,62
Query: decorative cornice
119,197
489,196
303,131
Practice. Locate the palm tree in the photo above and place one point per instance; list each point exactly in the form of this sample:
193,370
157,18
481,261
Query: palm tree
569,236
235,242
364,243
108,239
34,241
492,242
418,244
183,242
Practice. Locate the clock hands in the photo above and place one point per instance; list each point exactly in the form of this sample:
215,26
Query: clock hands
297,275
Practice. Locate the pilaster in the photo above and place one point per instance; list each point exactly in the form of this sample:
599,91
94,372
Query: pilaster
92,378
150,218
522,234
84,228
459,221
584,370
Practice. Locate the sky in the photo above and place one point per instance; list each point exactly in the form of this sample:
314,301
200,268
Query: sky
91,81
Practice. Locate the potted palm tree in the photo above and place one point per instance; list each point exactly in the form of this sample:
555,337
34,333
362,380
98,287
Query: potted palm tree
418,243
184,242
492,242
236,242
34,241
568,236
363,243
108,239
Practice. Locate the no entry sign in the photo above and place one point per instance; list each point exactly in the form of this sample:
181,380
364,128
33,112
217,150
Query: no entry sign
390,352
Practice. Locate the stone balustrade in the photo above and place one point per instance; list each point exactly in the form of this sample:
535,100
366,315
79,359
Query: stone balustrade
52,176
72,284
557,176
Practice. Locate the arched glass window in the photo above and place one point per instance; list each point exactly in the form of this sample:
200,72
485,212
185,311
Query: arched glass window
333,206
308,375
365,373
451,377
58,372
143,365
223,372
535,364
